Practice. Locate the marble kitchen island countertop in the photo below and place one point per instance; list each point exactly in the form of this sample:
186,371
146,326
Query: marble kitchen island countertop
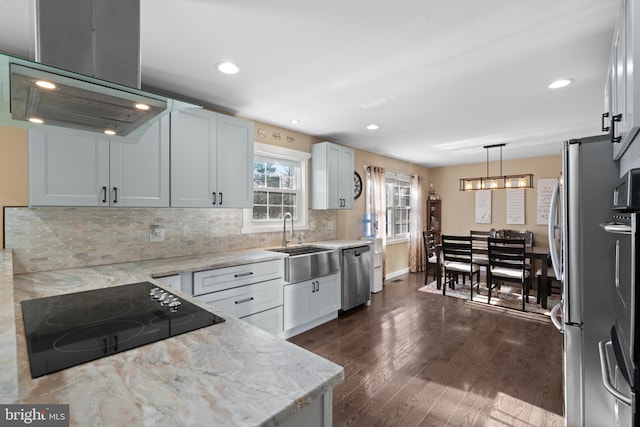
231,373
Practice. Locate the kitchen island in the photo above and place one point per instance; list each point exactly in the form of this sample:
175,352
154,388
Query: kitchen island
226,374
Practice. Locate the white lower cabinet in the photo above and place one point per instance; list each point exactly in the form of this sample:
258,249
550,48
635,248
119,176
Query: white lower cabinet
310,303
268,320
252,292
246,300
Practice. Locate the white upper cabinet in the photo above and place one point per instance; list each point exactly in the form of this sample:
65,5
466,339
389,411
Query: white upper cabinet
71,170
331,176
211,160
140,171
622,90
235,162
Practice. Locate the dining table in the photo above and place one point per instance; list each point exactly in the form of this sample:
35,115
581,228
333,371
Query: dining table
538,256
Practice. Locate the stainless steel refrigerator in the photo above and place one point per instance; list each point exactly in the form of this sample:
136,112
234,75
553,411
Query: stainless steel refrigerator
583,262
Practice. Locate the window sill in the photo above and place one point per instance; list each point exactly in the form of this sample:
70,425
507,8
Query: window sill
397,241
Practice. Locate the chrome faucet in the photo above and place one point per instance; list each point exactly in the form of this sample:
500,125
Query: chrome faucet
284,228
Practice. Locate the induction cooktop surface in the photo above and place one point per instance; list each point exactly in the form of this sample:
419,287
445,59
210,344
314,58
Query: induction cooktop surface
70,329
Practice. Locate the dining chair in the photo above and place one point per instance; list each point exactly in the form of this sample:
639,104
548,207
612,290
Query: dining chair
551,280
430,254
507,264
456,256
479,247
528,240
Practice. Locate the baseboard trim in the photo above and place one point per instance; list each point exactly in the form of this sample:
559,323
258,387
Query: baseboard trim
397,273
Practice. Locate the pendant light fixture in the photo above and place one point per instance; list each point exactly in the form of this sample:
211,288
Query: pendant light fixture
499,182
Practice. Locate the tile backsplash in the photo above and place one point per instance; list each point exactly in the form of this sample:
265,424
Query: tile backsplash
54,238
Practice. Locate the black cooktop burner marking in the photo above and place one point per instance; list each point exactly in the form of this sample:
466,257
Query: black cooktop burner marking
105,336
97,312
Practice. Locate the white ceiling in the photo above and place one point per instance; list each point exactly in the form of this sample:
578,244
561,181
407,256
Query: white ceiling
441,78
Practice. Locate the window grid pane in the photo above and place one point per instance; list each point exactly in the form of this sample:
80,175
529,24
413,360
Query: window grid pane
275,190
398,202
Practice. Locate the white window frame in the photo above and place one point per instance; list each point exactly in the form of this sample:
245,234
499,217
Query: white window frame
403,177
302,221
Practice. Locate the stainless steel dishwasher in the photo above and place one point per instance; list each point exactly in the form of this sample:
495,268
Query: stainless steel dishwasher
356,276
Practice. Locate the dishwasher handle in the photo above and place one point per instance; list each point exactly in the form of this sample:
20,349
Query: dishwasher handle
357,251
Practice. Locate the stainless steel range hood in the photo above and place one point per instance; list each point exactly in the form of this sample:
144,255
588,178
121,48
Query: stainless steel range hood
78,104
85,49
86,104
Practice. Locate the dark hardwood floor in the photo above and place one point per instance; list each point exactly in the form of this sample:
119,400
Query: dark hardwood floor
413,358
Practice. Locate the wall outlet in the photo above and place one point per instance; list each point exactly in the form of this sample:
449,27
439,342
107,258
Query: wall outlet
156,234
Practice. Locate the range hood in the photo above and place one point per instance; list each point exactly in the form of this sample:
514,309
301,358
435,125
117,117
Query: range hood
84,75
82,103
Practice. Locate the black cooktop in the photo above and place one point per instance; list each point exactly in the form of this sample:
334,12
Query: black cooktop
67,330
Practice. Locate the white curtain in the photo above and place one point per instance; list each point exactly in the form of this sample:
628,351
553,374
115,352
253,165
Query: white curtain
417,259
376,203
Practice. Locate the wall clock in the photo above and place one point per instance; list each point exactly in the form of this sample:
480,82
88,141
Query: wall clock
357,185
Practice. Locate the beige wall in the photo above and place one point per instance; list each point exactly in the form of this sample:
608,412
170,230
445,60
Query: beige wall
458,207
14,185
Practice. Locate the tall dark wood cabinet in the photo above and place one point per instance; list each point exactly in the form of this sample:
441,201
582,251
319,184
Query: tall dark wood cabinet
434,218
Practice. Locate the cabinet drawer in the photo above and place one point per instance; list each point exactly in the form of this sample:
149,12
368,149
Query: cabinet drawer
245,300
269,320
221,279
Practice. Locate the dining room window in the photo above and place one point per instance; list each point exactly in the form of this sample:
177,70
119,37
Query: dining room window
279,186
398,205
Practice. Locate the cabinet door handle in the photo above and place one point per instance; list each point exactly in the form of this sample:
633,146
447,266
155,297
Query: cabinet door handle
317,286
104,194
244,300
614,119
313,286
214,197
115,194
249,273
604,128
220,198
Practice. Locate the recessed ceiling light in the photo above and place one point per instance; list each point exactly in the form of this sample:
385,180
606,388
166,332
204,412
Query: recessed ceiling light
560,83
110,131
373,126
142,107
227,68
45,84
36,120
295,121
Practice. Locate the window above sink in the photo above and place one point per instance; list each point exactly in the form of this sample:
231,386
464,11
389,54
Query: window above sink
280,185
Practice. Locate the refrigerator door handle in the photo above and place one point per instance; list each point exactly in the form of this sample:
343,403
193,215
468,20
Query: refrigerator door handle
606,379
553,221
554,318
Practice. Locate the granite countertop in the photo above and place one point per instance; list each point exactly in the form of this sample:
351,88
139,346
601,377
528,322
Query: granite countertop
342,244
230,373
